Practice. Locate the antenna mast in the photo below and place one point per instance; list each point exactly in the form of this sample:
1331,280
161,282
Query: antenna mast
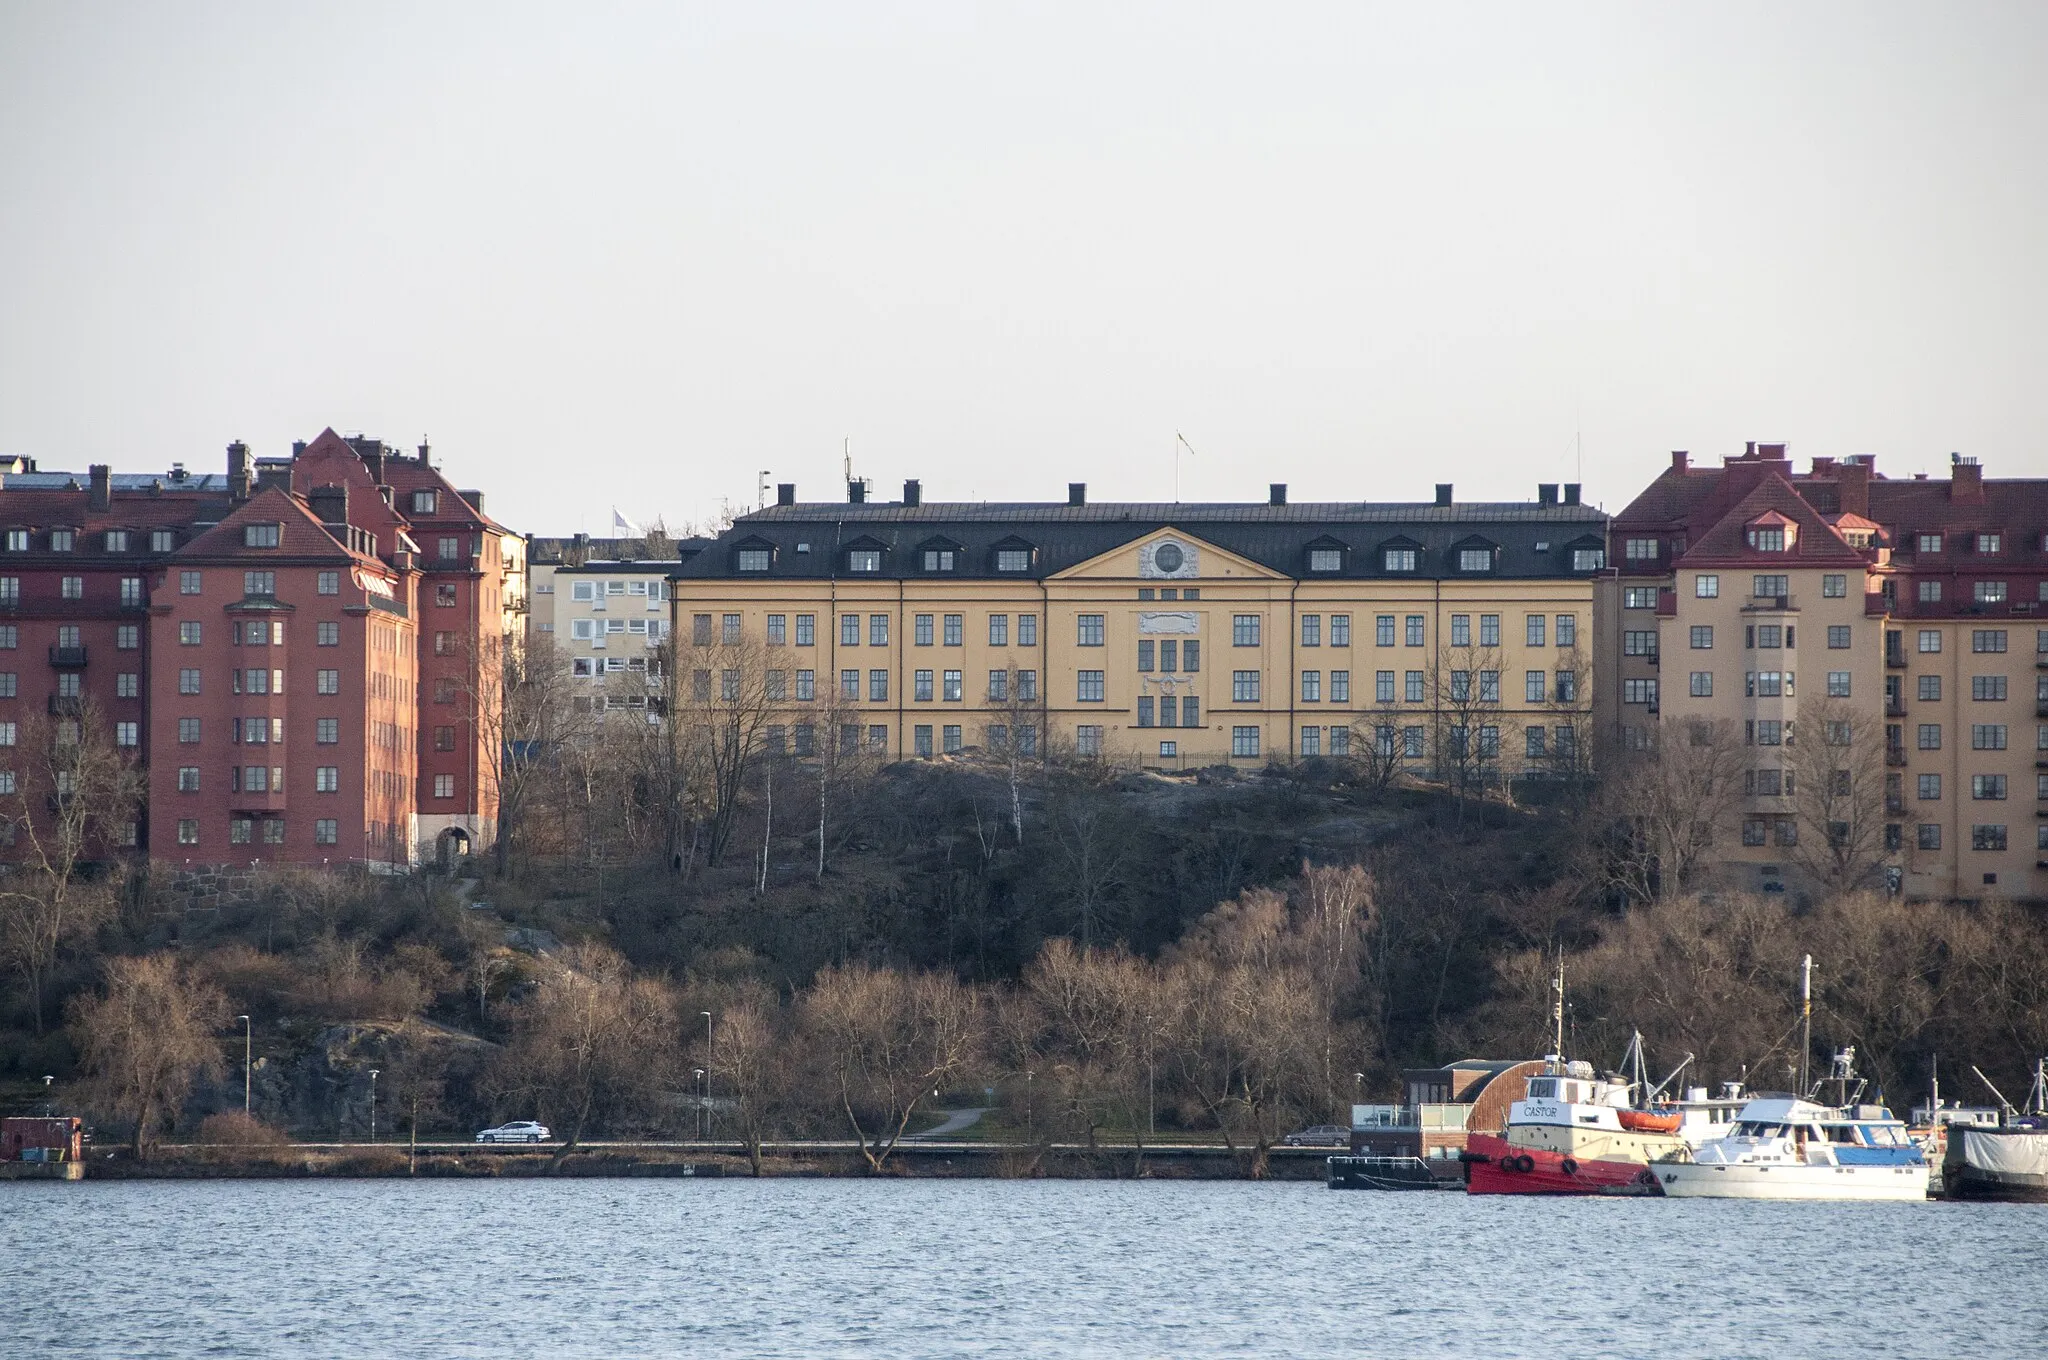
1805,1019
1557,1007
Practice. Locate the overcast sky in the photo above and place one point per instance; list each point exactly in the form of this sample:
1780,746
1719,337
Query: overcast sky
634,255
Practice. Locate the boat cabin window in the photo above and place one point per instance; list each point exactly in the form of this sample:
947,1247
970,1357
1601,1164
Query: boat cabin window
1842,1133
1750,1128
1542,1088
1882,1135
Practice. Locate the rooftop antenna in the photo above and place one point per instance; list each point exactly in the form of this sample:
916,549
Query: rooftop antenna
846,459
761,490
1557,1008
1179,442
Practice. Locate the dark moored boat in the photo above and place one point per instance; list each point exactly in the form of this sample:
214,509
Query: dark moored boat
2009,1163
1390,1173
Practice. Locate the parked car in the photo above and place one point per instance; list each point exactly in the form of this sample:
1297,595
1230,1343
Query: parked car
1320,1135
518,1131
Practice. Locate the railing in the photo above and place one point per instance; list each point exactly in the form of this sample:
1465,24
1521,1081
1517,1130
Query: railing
1410,1116
1762,603
66,706
1894,755
67,656
1895,708
1895,659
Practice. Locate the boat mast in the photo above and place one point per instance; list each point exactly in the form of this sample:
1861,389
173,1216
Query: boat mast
1557,1008
1805,1019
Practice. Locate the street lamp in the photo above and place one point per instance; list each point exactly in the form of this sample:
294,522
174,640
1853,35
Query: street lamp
1151,1108
48,1107
248,1051
707,1058
373,1104
700,1103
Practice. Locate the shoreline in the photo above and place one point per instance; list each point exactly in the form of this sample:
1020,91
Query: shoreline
971,1161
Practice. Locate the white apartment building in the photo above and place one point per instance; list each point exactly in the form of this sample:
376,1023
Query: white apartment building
609,619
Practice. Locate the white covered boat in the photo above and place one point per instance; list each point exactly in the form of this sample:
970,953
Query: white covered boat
1783,1147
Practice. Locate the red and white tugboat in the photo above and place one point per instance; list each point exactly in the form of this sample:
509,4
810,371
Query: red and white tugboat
1575,1133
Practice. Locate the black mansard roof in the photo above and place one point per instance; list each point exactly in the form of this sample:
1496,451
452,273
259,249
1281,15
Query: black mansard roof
812,540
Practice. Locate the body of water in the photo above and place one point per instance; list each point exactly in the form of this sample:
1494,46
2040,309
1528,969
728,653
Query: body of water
997,1268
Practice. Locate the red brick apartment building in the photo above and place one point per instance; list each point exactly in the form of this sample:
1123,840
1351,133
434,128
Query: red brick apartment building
296,649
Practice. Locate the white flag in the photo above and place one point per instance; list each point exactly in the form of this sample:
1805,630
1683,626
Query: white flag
623,525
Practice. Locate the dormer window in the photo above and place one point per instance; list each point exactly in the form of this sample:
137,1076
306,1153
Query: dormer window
1988,544
1014,556
1475,559
163,540
17,540
60,540
1398,559
259,535
1588,554
117,540
424,502
1930,543
1326,559
864,560
1639,549
938,559
754,559
1771,539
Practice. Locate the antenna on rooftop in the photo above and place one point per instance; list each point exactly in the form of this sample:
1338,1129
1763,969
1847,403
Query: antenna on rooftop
761,491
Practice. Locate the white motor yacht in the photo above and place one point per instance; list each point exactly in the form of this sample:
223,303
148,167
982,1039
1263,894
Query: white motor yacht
1783,1147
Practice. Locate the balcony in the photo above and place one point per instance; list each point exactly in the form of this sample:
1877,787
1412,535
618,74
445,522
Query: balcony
1895,708
1760,604
66,705
1894,755
2041,708
1895,658
67,658
1410,1117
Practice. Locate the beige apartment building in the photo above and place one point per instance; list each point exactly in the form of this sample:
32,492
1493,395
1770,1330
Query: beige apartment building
1751,595
1454,637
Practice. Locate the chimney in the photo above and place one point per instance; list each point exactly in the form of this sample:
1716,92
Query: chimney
1077,493
274,474
373,459
1276,493
1965,480
913,494
330,503
239,465
856,493
1443,493
102,476
475,499
1772,452
426,454
785,493
1680,460
1853,477
298,447
1546,493
1571,493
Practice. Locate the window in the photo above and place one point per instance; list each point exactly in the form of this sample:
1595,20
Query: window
1987,787
806,630
188,731
1639,597
1929,836
999,630
1411,743
1311,687
1027,685
806,686
1244,630
1383,687
1383,630
190,583
1244,742
1838,636
259,535
127,637
1533,630
1987,688
1987,736
1770,587
1930,736
955,631
778,630
1397,559
128,685
1535,685
188,680
327,779
444,786
259,583
1834,586
1489,687
188,779
1987,838
1639,549
1244,687
329,682
1411,686
878,687
327,635
72,587
330,583
1027,631
1930,689
1987,640
921,630
754,559
1311,630
1770,732
1928,788
1930,639
17,540
878,630
67,685
1088,686
1767,538
1701,636
1702,684
1312,741
10,590
1989,592
1415,630
849,684
938,559
1461,630
61,540
423,502
1588,559
1930,592
327,731
188,832
1706,587
448,549
864,561
1639,691
1475,559
1639,642
1988,544
951,687
999,685
1013,559
1340,687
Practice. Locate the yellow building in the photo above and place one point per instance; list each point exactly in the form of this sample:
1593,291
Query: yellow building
1453,637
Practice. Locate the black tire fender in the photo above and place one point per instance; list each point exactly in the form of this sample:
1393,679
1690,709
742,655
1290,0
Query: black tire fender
1571,1168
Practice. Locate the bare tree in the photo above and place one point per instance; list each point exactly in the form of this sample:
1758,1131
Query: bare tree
521,697
1378,749
1093,840
1017,737
145,1038
1670,804
1467,714
889,1042
750,1056
1836,763
721,706
1333,903
1568,753
72,799
1094,1045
